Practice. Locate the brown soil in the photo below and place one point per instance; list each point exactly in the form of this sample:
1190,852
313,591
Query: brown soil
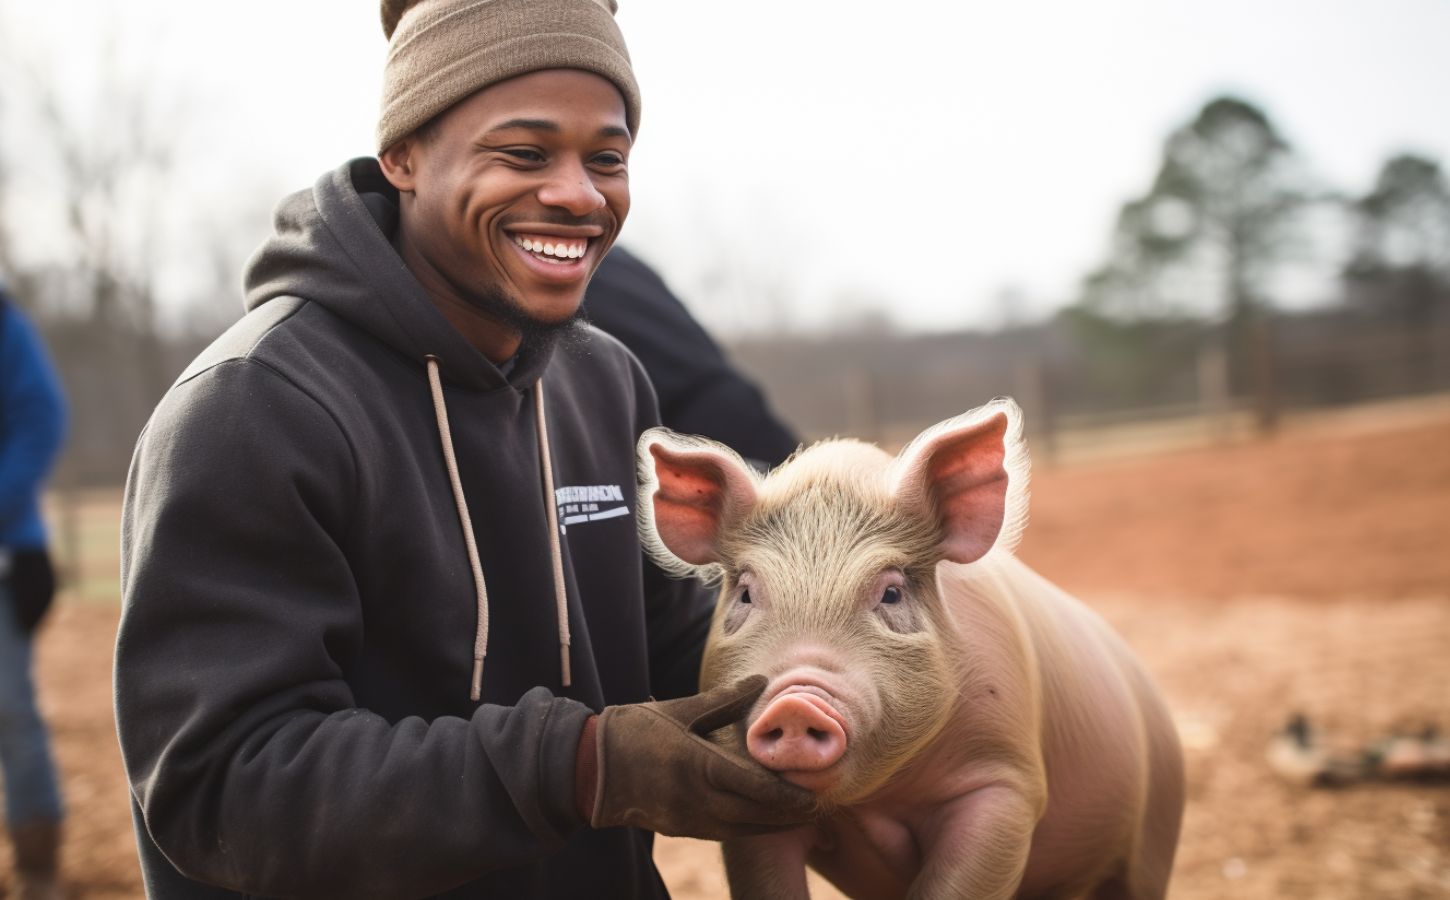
1309,573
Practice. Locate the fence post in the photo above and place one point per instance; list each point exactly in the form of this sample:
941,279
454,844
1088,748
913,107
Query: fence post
1034,396
1213,388
1266,388
67,495
862,415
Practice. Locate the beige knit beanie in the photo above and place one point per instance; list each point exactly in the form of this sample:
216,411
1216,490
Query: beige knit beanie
441,51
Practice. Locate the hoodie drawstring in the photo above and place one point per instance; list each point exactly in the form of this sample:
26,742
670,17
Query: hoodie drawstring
561,599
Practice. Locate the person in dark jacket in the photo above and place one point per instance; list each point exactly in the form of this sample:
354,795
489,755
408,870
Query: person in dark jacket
387,629
700,392
32,425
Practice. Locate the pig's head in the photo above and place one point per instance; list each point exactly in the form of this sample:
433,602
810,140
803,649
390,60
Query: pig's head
827,569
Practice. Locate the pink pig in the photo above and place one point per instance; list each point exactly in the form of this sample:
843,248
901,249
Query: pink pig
970,730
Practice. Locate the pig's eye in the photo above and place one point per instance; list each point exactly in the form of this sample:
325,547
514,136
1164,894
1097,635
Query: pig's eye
738,612
893,607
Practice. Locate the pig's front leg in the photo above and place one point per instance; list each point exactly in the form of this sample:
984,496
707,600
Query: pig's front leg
975,848
768,867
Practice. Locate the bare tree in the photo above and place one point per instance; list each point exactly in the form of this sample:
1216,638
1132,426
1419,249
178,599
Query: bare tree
1222,214
1401,258
92,157
1400,268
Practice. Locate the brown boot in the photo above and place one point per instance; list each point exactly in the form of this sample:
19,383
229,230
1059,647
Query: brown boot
37,860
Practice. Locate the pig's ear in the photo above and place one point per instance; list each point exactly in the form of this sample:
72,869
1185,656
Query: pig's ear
971,473
691,490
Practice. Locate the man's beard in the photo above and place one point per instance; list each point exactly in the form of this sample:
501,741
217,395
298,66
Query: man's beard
535,334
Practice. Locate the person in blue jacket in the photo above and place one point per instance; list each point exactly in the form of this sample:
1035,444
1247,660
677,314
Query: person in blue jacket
32,423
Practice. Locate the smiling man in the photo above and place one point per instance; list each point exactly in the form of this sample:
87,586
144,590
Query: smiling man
387,627
510,202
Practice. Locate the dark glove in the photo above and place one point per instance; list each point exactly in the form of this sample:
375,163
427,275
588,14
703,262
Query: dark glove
32,586
655,768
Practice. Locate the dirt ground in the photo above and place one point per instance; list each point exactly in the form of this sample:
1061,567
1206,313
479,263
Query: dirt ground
1307,573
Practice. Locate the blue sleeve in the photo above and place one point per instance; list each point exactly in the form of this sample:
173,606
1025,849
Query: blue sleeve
32,416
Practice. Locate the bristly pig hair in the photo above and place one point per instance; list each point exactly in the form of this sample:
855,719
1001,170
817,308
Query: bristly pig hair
1015,461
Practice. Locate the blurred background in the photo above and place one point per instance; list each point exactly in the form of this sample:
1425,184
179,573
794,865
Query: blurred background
1206,246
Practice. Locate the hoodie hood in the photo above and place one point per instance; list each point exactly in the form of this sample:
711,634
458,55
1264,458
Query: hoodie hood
332,245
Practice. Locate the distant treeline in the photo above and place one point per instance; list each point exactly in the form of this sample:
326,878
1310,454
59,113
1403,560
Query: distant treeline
1068,372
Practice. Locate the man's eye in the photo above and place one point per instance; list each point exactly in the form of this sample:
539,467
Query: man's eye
525,154
891,595
609,160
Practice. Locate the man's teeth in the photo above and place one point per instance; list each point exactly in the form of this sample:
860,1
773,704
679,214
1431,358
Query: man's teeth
559,248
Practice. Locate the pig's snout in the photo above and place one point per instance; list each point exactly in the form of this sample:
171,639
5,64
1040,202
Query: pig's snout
797,733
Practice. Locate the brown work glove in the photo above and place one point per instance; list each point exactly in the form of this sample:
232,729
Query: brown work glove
655,768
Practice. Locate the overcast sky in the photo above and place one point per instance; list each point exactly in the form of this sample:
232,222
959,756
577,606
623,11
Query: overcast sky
826,154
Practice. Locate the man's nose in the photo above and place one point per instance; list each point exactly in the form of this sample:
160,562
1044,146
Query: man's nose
570,187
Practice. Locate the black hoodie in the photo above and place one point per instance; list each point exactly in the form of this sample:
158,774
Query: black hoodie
295,654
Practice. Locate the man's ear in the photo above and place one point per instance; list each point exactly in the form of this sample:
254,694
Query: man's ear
399,164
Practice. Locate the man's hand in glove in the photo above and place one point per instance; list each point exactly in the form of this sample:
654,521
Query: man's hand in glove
652,765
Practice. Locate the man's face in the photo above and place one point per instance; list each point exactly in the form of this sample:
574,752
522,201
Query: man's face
515,194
